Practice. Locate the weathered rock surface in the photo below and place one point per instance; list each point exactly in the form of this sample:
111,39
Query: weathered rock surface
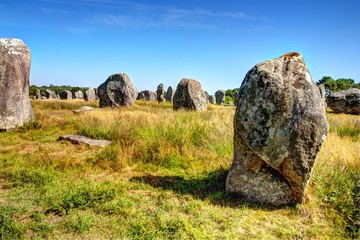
77,139
66,95
279,128
15,107
212,99
169,94
322,91
160,93
50,94
83,109
117,91
147,95
38,94
345,101
189,95
220,97
79,95
90,95
207,96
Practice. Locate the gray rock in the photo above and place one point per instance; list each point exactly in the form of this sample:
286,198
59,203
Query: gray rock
345,101
169,94
50,94
189,95
38,94
322,91
207,96
83,109
79,95
279,128
147,95
78,139
15,107
220,97
117,91
236,97
90,95
66,95
160,93
212,99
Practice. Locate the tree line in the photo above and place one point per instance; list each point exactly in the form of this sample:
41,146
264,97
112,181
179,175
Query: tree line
54,88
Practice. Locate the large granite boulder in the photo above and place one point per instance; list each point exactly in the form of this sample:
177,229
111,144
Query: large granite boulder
160,93
15,107
90,95
79,95
279,128
220,97
189,95
345,101
169,94
50,94
66,95
117,91
147,95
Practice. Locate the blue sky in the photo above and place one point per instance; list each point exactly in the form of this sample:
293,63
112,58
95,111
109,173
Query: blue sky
82,42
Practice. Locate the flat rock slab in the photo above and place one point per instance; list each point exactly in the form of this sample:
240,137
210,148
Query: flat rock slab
77,139
83,109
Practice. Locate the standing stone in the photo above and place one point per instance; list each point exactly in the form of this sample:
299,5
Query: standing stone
189,95
15,107
90,95
117,91
50,94
207,96
79,95
236,97
279,128
66,95
169,94
220,97
160,93
212,99
38,94
321,88
345,101
147,95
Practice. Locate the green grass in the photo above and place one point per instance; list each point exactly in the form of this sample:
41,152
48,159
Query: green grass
162,178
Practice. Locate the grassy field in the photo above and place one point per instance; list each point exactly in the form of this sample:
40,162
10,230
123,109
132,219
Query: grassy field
161,178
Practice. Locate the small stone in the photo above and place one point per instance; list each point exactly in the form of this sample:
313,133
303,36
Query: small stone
77,139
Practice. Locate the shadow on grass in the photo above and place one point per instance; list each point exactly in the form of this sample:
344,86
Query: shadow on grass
209,188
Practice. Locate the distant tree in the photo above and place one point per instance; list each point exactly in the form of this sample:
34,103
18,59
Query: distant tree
338,84
230,95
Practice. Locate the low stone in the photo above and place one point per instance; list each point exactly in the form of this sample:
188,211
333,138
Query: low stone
345,101
78,139
90,95
189,95
83,109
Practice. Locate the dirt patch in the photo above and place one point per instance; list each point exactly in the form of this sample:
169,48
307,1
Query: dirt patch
3,191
